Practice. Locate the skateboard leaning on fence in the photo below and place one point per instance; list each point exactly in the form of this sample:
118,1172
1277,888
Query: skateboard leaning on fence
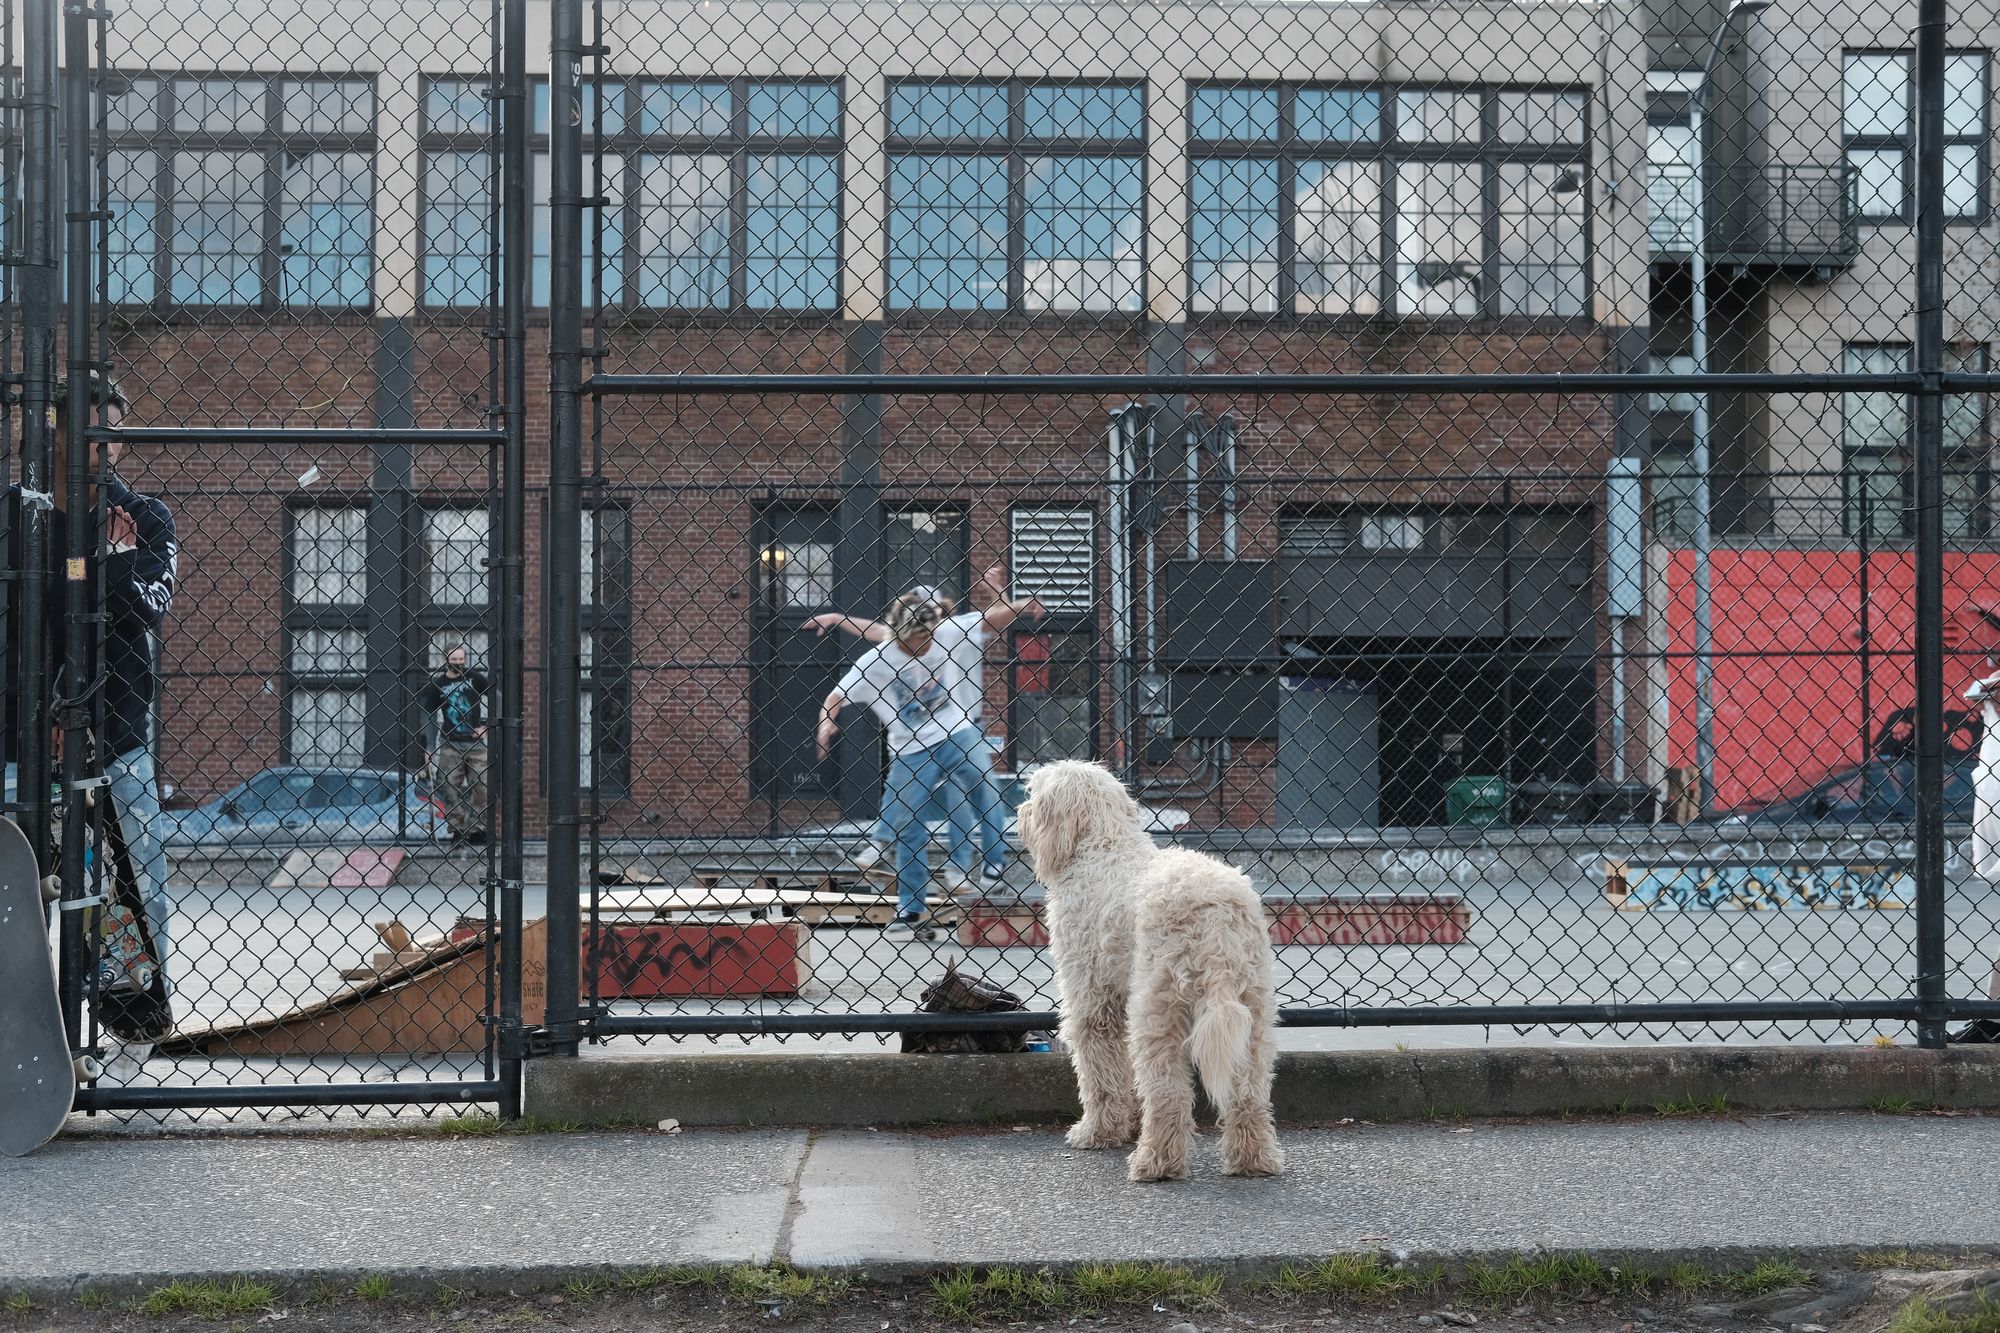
38,1071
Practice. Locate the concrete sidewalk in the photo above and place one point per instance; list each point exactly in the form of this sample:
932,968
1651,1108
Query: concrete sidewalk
125,1211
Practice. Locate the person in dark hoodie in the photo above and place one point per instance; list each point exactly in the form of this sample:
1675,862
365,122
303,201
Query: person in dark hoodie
138,556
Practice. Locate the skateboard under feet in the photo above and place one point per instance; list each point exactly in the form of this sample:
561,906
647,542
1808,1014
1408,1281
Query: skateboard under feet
38,1071
132,1003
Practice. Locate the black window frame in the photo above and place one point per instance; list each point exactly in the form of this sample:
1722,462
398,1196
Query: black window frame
1014,146
1906,142
275,143
1978,453
627,143
1388,152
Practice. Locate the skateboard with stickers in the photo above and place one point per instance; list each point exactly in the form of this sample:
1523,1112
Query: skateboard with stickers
38,1071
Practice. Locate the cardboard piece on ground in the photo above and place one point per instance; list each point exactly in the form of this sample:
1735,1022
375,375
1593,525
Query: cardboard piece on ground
431,1005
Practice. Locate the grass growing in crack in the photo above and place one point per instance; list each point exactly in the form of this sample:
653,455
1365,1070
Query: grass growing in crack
967,1296
1713,1104
783,1285
1447,1111
1684,1279
210,1300
1353,1277
20,1304
677,1275
1541,1277
321,1293
1914,1260
374,1287
1767,1277
448,1298
1884,1104
1099,1286
583,1288
1609,1109
93,1298
470,1126
1922,1316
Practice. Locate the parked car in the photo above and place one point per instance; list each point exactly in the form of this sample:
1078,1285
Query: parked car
1881,791
298,804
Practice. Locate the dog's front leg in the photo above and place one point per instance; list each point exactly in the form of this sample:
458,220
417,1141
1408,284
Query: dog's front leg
1096,1040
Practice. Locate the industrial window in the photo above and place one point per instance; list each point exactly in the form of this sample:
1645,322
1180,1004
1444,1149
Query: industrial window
1879,131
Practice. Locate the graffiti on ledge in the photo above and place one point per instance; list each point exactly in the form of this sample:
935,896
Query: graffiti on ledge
1737,886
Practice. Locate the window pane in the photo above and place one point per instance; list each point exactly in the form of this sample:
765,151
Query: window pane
329,557
926,548
1965,96
455,548
1437,117
1053,689
1542,268
1671,186
684,108
457,106
219,106
1965,413
1875,95
1683,400
1965,495
329,652
1878,181
1338,232
542,241
134,106
218,238
1439,244
792,110
327,106
1392,532
1875,419
1337,113
326,230
1541,117
457,222
947,233
1085,113
793,246
947,111
684,231
132,235
1235,240
1235,113
1084,221
1875,500
328,726
1962,185
798,575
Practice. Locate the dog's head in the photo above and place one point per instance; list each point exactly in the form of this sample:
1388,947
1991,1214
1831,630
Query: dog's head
1072,804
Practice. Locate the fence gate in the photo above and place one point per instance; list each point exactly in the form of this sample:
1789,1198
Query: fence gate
295,241
1493,473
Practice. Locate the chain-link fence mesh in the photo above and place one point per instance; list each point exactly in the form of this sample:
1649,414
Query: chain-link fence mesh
1244,396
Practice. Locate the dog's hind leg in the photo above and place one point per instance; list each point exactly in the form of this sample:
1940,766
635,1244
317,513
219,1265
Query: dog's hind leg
1249,1137
1161,1020
1096,1040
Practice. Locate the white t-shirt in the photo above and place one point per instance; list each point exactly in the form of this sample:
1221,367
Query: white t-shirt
923,700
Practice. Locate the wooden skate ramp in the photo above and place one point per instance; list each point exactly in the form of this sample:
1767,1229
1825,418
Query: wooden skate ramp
424,1006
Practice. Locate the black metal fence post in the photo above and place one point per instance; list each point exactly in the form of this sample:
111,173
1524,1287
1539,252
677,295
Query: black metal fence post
1929,485
514,114
562,541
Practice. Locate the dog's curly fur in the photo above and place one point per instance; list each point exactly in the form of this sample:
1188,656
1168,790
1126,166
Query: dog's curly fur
1162,956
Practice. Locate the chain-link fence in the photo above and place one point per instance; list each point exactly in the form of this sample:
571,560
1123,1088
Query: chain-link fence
1514,479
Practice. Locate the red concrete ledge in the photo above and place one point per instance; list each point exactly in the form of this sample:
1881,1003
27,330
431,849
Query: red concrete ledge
1349,919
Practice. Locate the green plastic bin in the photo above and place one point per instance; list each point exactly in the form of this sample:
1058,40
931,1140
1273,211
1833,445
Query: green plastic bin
1476,799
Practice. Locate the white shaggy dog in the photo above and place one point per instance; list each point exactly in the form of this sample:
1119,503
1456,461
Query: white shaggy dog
1161,954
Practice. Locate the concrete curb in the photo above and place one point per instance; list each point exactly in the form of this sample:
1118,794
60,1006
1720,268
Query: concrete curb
1312,1087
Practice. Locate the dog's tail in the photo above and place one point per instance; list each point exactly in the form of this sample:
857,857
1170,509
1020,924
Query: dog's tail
1221,1035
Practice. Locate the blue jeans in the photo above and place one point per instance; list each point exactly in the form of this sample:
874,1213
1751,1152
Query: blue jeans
136,792
956,769
988,809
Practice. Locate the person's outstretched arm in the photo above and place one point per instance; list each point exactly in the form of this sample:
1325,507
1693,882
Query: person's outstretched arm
872,630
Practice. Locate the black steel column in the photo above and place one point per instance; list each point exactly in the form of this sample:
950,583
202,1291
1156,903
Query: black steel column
1929,468
513,294
858,565
392,724
80,601
41,177
562,543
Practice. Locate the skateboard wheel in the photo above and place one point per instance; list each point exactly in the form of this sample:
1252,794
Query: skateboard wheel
88,1068
51,889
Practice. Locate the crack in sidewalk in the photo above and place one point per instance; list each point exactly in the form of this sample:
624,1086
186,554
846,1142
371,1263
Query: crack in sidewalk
781,1248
